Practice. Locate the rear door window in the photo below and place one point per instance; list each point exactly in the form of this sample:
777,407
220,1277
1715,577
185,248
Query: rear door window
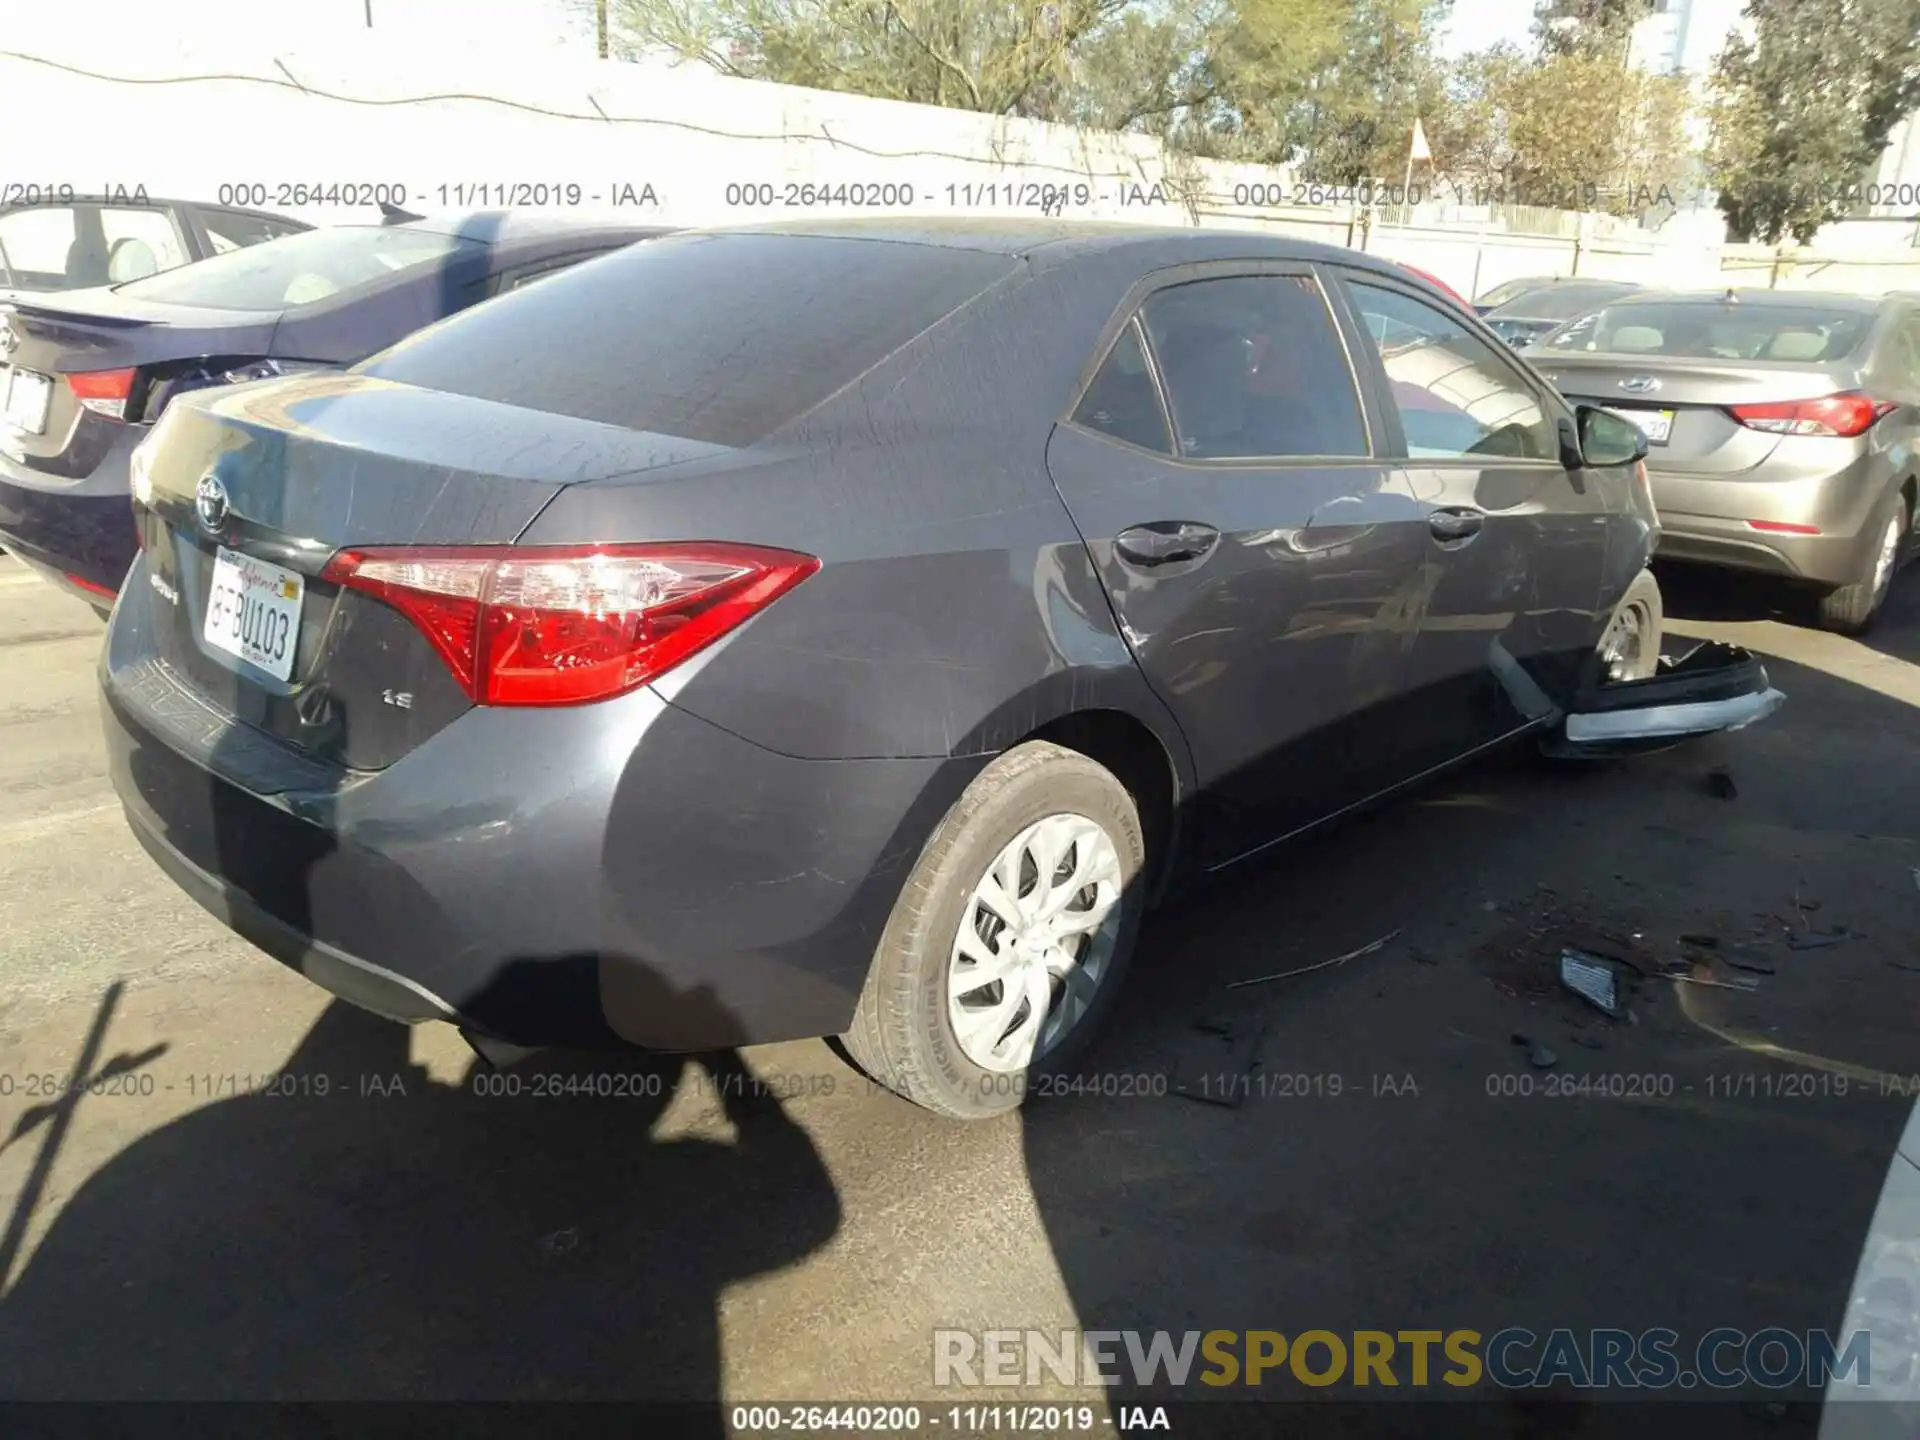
140,243
718,338
36,245
1254,368
1455,395
1123,400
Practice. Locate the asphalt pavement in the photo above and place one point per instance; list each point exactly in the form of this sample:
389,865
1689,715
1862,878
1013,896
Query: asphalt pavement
257,1193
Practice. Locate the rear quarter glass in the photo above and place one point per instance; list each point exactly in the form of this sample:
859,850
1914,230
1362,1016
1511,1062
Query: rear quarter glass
716,338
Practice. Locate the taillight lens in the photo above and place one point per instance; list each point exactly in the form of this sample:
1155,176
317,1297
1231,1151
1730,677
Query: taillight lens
1847,414
565,625
104,392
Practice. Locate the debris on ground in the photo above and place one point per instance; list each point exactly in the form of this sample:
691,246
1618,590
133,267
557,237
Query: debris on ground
1902,965
1740,960
1817,939
1590,1042
1719,784
1742,984
561,1242
1591,978
1700,938
1366,949
1538,1055
1916,877
1214,1067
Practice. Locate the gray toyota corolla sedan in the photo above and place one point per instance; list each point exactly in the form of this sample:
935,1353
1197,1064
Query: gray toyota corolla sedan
1782,428
848,629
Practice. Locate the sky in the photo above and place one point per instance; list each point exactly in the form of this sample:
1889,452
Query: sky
1476,24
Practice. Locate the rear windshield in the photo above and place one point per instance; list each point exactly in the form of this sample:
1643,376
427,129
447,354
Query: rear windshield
1716,330
718,338
1559,302
299,269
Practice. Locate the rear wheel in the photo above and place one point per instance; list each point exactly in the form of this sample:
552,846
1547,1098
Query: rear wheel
1850,609
1010,939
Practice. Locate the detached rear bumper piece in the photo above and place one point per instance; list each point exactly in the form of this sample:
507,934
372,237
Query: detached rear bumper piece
1711,688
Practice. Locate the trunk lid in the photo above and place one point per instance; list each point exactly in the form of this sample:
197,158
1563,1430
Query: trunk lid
99,330
306,466
1703,438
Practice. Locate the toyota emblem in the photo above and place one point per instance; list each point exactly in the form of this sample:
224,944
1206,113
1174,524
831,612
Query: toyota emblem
9,342
1640,384
210,502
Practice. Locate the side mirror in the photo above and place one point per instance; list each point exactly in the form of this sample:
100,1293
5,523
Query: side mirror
1606,440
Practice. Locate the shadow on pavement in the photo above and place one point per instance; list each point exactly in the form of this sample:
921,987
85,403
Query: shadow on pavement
1394,1160
367,1233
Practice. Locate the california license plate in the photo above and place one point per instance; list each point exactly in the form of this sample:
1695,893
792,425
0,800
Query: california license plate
28,398
1656,425
253,611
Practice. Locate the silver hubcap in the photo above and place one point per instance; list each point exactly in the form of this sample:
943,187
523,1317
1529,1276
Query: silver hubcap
1034,943
1889,551
1624,648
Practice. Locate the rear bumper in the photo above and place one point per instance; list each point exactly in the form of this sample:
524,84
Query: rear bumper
1706,520
620,873
81,528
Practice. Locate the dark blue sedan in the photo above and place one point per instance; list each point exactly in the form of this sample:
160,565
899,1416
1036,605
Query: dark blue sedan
84,374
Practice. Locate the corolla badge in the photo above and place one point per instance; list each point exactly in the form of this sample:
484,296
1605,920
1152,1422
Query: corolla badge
210,502
1641,384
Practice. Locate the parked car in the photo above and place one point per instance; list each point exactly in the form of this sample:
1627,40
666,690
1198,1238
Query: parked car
85,374
76,243
1782,427
1535,314
1437,283
845,629
1512,289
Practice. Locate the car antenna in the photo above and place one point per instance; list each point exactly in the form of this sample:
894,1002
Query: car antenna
391,214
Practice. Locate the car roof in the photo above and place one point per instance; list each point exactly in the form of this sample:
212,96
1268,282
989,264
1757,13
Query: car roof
1752,295
507,227
1048,241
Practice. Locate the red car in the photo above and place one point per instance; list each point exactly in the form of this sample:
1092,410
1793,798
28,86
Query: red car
1436,282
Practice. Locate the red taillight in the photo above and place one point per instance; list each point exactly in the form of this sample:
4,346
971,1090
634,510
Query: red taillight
1847,414
568,624
104,591
104,392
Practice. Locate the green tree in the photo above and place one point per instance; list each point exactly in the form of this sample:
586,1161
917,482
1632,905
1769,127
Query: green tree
1587,27
1802,110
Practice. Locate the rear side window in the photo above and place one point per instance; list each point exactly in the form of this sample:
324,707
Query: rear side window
1718,330
1254,367
1559,302
301,269
36,245
1454,394
717,338
1123,401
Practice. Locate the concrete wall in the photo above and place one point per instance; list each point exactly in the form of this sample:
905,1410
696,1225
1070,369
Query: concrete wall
228,110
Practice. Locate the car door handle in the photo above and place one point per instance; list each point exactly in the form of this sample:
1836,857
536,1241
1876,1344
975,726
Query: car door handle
1164,542
1456,524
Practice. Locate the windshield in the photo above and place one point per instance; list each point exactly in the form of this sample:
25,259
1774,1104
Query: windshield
298,269
1718,330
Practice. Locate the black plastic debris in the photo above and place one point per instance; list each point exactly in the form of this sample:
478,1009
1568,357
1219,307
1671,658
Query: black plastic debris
1215,1063
1719,784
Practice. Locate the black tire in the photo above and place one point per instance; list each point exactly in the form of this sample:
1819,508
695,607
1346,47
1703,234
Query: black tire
901,1035
1850,610
1644,594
